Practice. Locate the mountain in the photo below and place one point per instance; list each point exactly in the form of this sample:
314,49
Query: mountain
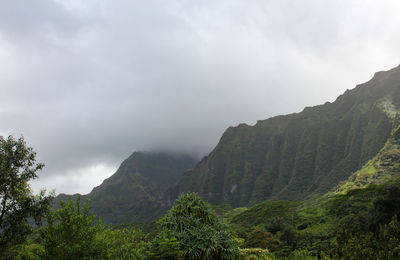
135,191
293,156
287,157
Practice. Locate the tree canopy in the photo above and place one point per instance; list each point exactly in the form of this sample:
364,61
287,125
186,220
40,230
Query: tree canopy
72,233
17,203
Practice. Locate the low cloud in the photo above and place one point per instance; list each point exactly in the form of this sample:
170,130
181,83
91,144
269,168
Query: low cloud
89,82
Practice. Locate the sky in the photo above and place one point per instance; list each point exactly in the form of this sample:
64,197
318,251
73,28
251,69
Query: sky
88,82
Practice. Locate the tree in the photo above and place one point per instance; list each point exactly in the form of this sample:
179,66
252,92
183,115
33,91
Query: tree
72,233
200,233
17,203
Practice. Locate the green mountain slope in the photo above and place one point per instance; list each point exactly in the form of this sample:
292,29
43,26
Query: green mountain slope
293,156
135,191
359,219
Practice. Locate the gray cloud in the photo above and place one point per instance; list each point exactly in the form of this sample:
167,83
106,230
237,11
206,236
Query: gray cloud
89,82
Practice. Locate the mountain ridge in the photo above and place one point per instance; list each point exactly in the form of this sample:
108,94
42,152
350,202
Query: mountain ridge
317,148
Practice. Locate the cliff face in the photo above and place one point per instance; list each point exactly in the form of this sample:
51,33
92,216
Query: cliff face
293,156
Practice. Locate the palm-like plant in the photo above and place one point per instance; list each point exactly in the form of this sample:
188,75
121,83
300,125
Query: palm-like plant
200,233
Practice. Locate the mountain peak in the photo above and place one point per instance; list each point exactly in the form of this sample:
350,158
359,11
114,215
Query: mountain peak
135,191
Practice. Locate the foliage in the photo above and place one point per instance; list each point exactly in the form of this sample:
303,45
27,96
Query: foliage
165,246
389,235
385,206
125,243
361,246
302,254
260,238
359,224
29,250
17,204
200,233
255,254
72,233
150,229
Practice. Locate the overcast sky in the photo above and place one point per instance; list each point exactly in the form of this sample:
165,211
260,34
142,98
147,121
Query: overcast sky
88,82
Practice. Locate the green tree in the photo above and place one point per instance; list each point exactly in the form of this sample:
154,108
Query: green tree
200,233
72,233
17,203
